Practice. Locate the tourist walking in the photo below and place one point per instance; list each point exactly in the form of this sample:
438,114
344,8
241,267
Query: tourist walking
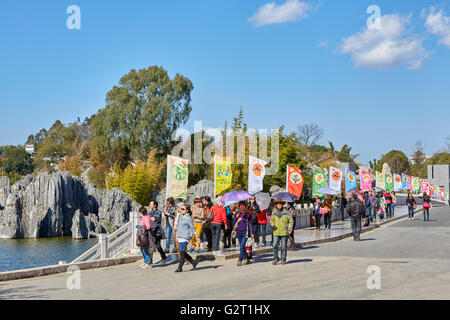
373,204
198,217
170,214
269,213
388,203
411,203
254,210
356,210
242,224
328,203
292,213
317,205
367,208
157,231
394,203
426,206
144,238
219,217
342,204
227,239
185,230
381,205
262,226
207,205
281,223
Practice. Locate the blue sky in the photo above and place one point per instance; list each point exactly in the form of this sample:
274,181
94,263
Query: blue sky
290,63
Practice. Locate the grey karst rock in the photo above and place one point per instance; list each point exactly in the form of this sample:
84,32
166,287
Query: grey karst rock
115,209
79,226
202,189
84,175
10,216
275,189
44,206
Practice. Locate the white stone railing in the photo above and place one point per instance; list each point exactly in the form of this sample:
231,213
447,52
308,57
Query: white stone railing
115,244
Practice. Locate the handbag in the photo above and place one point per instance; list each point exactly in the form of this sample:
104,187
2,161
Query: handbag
426,205
323,211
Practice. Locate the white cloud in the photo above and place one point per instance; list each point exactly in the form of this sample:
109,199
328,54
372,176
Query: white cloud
439,25
323,44
270,13
386,47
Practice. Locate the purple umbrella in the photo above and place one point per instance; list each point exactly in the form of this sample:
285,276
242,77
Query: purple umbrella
236,196
285,196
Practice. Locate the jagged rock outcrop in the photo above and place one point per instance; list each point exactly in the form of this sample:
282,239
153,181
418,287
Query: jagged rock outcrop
201,189
57,204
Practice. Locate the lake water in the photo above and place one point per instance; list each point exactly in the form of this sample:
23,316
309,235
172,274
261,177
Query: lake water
17,254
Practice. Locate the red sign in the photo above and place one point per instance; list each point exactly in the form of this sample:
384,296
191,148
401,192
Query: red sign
294,181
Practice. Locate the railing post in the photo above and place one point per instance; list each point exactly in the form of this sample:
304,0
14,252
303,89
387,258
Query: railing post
103,240
134,220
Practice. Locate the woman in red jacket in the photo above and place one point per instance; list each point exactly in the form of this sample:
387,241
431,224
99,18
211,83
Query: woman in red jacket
219,216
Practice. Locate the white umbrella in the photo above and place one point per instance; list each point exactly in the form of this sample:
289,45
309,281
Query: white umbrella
263,200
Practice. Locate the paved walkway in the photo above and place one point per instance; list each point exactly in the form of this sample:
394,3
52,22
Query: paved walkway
309,236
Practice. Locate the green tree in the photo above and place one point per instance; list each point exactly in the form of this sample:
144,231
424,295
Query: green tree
418,159
142,112
397,161
18,161
439,158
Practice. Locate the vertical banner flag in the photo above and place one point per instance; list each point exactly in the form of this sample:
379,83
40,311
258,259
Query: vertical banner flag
389,182
351,180
416,184
222,175
335,179
256,172
177,177
410,186
366,181
405,181
294,181
319,181
424,185
441,193
397,182
380,182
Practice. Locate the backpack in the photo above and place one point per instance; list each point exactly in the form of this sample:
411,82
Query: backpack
142,237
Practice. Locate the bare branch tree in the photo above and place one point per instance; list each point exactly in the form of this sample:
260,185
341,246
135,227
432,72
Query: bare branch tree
309,134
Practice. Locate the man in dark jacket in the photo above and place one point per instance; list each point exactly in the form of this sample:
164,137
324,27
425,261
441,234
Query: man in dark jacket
342,205
157,230
356,210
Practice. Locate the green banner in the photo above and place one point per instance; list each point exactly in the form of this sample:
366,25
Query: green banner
417,184
222,175
380,180
319,181
389,182
177,177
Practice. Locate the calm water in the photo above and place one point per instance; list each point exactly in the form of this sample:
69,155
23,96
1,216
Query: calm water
16,254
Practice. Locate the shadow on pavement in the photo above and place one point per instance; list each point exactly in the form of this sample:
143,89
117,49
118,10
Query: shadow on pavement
298,260
368,239
21,293
207,267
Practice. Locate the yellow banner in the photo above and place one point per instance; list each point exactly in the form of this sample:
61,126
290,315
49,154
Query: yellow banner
222,175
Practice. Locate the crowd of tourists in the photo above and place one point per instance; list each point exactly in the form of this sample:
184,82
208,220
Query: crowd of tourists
245,225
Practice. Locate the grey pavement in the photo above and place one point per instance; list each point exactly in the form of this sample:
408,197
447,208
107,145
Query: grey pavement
413,257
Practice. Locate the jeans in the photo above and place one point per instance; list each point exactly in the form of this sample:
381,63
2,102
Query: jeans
392,209
327,219
342,211
159,248
410,212
168,236
371,213
208,235
356,227
427,211
256,228
276,241
388,211
261,230
242,238
215,231
317,219
147,255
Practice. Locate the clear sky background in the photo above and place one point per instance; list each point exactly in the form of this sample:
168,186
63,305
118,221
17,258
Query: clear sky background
290,62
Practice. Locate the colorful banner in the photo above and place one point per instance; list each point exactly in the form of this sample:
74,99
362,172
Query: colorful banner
416,184
294,181
389,182
410,186
366,181
177,177
335,179
256,172
441,193
405,182
350,180
380,180
222,175
398,185
424,185
319,181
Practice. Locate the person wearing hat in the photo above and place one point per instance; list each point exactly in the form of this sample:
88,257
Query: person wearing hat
282,224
